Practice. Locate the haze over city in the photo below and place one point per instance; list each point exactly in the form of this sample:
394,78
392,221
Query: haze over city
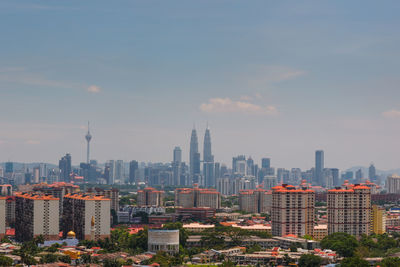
272,79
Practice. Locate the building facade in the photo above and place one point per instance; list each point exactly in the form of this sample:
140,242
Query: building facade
255,201
292,210
163,240
378,220
2,216
35,213
87,215
150,197
197,197
349,209
393,184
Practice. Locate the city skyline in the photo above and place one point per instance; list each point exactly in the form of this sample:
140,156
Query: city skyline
273,79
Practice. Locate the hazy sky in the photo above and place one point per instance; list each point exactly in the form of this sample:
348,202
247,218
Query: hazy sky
275,79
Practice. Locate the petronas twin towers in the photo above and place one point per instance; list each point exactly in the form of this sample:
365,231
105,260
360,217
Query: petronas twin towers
206,179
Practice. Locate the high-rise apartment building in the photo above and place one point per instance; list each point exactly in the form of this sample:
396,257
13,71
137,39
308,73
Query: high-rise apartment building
393,184
378,220
133,172
197,197
65,168
37,215
255,201
57,190
319,166
112,194
9,167
2,216
150,197
349,209
292,210
87,215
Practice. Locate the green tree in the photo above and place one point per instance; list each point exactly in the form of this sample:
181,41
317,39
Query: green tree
342,243
354,262
48,258
389,262
6,261
112,263
310,260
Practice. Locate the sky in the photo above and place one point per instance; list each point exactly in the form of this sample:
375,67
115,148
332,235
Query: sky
276,79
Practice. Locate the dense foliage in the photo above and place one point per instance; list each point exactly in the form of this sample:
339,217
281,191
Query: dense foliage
344,244
310,260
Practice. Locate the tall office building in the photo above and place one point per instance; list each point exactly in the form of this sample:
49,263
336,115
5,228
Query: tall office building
292,210
120,171
65,168
266,163
239,165
177,154
35,213
250,167
208,161
194,158
372,173
150,197
319,166
9,167
197,198
349,209
87,215
335,176
133,172
177,166
88,137
359,176
3,217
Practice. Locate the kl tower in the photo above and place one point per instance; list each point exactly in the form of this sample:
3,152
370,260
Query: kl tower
88,137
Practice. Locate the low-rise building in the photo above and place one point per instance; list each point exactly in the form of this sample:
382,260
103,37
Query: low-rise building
198,227
163,240
320,231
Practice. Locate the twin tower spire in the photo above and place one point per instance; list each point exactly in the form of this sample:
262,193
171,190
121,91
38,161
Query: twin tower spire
208,158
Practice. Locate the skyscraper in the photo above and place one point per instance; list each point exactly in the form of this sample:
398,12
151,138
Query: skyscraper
208,161
177,154
133,171
194,157
372,172
65,168
88,137
319,166
266,163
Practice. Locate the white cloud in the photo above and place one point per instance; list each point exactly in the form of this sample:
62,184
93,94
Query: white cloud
391,113
227,105
94,89
266,75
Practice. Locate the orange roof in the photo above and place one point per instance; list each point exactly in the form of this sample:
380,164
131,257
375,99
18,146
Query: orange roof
86,197
35,196
10,232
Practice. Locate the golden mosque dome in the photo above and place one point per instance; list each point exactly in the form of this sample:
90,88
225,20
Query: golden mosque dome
71,234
